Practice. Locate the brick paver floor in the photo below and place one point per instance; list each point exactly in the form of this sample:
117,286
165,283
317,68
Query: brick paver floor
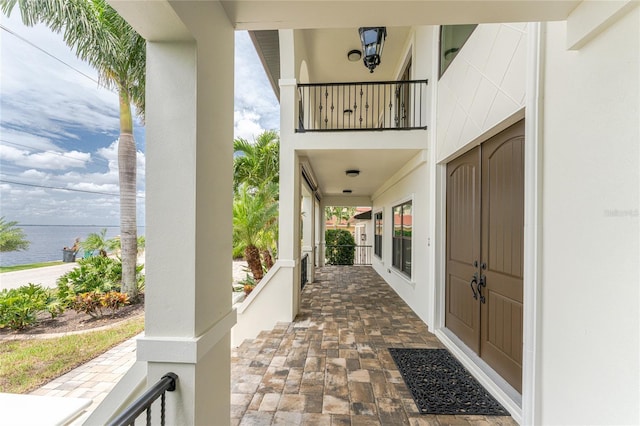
331,365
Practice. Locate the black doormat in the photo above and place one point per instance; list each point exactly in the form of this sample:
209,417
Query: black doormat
439,384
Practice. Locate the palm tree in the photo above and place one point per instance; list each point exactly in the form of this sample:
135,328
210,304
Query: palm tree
254,213
339,213
108,43
257,163
12,238
98,242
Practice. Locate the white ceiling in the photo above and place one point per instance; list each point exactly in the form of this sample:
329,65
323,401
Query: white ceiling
328,48
279,14
376,167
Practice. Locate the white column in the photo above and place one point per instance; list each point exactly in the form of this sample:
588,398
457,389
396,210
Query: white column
289,203
308,231
188,222
318,215
323,230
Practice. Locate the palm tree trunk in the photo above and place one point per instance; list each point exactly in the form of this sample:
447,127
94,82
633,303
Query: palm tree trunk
252,254
127,177
268,259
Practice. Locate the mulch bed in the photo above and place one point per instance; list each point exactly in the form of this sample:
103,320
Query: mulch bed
71,321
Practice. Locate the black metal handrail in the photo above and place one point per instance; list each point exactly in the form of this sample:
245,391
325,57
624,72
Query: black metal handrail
128,417
373,105
304,270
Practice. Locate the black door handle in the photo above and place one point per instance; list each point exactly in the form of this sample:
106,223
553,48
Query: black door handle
474,280
481,284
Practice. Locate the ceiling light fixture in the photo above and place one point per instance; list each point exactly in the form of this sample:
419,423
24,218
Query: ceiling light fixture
347,191
354,55
352,172
372,39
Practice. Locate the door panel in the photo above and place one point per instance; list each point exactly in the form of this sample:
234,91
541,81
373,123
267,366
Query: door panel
485,237
502,252
462,314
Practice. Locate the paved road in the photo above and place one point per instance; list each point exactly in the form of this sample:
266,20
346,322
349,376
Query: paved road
46,276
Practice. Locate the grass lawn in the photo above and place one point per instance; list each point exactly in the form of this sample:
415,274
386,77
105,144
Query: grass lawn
28,364
28,266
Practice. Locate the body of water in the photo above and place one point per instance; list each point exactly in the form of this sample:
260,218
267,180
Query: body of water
47,242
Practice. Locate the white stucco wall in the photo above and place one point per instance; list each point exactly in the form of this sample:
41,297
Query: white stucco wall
588,370
411,186
483,86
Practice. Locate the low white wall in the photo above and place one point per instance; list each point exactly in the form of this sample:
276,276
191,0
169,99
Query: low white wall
411,186
588,370
268,304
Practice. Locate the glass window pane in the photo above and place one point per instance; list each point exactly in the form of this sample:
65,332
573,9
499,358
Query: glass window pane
397,221
406,256
452,38
407,220
397,253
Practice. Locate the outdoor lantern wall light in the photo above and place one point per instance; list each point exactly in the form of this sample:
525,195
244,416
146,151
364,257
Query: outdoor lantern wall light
372,39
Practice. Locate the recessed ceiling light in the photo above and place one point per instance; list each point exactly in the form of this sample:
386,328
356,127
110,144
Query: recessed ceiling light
347,191
352,172
354,55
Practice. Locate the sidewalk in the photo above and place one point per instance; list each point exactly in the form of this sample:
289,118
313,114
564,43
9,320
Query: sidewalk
46,276
94,379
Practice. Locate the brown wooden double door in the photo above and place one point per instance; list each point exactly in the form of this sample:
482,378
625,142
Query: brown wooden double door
485,230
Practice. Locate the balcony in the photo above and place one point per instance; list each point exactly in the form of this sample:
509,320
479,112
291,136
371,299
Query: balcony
378,105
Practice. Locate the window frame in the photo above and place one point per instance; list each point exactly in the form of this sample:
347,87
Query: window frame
378,238
441,71
399,244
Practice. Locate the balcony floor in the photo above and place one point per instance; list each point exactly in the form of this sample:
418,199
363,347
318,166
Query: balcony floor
331,365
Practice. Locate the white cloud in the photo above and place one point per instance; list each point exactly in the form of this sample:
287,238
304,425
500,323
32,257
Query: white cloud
49,160
246,125
256,107
44,94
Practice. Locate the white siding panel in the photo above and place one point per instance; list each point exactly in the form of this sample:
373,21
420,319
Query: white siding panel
512,82
502,107
485,95
483,86
501,54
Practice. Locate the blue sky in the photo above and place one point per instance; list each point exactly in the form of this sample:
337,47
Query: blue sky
59,128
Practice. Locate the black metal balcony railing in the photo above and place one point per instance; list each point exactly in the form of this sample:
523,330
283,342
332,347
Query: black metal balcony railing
380,105
347,255
304,262
144,402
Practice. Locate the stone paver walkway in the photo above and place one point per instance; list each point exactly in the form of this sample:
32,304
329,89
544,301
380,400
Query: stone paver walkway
94,379
331,366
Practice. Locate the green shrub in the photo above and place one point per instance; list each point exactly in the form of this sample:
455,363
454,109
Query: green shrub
93,303
19,307
340,247
99,274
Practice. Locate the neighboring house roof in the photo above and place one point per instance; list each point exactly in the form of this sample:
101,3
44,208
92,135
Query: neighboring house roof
267,45
363,216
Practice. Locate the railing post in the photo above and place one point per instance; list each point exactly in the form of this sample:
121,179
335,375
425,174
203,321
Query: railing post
128,417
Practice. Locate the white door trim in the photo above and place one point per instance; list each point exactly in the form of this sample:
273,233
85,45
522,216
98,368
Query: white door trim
523,409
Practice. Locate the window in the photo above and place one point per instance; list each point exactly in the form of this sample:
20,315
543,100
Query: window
452,38
402,228
377,241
